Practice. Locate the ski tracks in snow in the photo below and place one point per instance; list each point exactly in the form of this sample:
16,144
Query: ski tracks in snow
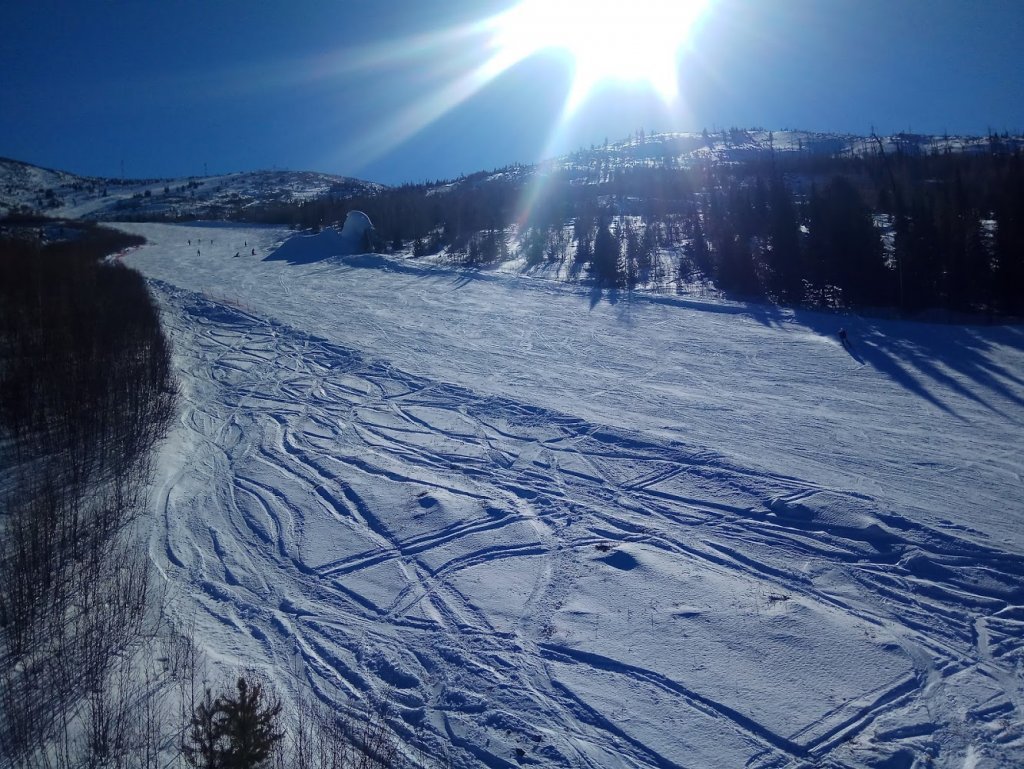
526,587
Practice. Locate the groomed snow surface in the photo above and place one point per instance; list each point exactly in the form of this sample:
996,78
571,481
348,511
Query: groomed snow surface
559,527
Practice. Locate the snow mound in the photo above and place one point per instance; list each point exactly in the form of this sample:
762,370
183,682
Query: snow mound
357,224
304,249
841,515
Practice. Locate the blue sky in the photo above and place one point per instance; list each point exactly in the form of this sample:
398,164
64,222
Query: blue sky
357,87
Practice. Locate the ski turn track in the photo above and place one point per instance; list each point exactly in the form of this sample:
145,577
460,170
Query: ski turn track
527,587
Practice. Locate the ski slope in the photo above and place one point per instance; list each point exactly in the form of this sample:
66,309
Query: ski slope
559,527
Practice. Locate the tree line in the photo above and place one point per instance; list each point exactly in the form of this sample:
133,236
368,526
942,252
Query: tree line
905,228
85,391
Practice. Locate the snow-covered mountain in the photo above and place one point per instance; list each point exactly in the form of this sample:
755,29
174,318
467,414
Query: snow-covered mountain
735,145
557,525
26,188
30,189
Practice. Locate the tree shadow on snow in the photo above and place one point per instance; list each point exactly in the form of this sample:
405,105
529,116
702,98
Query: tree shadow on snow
599,292
923,356
916,355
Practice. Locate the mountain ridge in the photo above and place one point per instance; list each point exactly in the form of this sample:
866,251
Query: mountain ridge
30,189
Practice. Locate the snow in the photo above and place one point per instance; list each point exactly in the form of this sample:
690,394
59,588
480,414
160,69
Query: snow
599,530
303,248
356,226
61,194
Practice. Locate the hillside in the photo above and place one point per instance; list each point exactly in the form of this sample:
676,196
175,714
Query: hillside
553,526
534,473
28,189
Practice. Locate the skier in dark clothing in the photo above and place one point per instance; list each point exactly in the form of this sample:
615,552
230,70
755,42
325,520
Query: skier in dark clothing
843,338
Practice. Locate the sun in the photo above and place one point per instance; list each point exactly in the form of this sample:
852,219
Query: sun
636,42
631,41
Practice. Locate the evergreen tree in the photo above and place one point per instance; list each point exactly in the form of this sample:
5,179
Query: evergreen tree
1009,238
917,243
699,247
583,235
736,231
844,249
203,747
249,726
233,732
606,255
784,235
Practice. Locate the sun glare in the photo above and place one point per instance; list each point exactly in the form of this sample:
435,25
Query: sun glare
634,41
637,42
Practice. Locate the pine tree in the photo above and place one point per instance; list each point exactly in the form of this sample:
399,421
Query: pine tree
203,747
233,732
785,243
250,727
606,255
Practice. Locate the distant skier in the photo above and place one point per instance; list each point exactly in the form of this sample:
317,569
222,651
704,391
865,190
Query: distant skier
190,241
236,254
843,338
198,253
254,252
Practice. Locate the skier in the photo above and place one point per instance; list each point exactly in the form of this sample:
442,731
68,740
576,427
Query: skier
843,338
198,253
254,252
190,241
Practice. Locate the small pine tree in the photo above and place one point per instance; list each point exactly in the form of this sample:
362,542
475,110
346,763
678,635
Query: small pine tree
203,746
250,727
233,732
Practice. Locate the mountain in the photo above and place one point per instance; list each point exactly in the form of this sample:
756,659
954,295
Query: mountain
29,189
912,222
528,521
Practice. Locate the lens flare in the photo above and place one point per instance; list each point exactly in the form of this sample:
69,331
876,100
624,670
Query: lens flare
636,42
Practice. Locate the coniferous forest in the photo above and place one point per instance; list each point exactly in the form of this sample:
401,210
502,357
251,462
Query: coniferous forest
906,229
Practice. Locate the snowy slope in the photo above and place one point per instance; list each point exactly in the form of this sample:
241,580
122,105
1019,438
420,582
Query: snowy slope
28,188
568,529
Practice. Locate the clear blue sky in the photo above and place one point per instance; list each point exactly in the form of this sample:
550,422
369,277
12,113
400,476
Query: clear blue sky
358,87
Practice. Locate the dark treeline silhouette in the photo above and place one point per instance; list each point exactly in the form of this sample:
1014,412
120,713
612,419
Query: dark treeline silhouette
904,228
85,391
